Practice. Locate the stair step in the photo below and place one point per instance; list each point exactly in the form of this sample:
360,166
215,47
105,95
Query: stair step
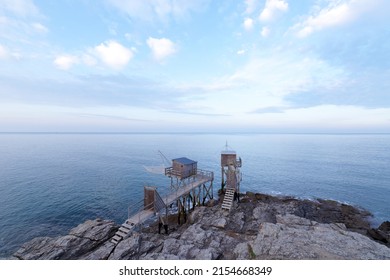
227,202
121,234
126,226
124,230
114,241
117,237
130,222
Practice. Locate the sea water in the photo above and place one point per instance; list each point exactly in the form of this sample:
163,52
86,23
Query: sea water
50,183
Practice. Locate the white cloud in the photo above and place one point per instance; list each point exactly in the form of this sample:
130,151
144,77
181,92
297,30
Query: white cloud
251,6
272,9
327,18
335,14
65,62
40,28
110,53
114,54
3,52
19,7
265,31
330,117
241,52
248,24
161,48
268,81
89,60
151,10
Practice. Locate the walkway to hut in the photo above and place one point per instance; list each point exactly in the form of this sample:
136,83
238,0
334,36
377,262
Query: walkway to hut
159,203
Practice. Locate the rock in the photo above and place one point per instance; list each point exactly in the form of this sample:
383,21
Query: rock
212,202
80,241
293,221
294,238
34,249
385,227
220,223
382,233
259,227
237,221
127,248
159,256
101,253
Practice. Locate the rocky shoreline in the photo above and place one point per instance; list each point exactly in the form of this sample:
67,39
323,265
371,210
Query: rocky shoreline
259,227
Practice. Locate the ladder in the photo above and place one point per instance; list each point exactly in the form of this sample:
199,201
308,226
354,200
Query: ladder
122,232
227,202
128,226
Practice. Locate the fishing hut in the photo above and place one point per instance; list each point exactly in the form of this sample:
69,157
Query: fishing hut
189,187
231,176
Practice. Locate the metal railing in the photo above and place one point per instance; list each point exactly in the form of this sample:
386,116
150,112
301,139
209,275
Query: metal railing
205,174
136,210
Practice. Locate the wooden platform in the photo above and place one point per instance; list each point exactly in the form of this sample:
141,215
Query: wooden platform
144,215
185,190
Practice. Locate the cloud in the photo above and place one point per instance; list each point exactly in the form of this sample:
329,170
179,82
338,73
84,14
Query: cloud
335,14
241,52
88,60
272,9
113,54
269,80
110,53
40,28
248,24
4,53
65,62
265,31
269,110
161,48
21,8
151,10
251,6
333,118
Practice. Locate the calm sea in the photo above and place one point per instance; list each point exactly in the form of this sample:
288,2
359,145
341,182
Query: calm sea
50,183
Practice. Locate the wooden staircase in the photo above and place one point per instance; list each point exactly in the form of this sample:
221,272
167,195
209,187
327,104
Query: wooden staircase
227,202
123,231
128,226
148,208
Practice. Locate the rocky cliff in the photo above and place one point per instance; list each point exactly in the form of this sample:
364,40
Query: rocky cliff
259,227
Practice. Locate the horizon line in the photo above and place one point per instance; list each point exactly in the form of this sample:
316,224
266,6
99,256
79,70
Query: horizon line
189,132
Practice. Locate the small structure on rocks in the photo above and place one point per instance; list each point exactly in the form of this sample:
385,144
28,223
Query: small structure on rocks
231,177
189,187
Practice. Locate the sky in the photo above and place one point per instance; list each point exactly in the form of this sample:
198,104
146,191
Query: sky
235,66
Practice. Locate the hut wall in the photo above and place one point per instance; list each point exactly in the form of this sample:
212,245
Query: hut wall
228,159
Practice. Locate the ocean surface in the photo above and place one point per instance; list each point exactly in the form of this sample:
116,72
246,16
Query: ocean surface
50,183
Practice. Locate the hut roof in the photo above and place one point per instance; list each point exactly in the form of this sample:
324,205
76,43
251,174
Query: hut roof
227,152
184,160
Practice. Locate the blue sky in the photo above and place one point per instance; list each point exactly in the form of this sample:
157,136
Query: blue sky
195,66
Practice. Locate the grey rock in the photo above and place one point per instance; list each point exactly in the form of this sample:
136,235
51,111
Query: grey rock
220,223
101,253
127,248
259,227
382,233
295,238
80,241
